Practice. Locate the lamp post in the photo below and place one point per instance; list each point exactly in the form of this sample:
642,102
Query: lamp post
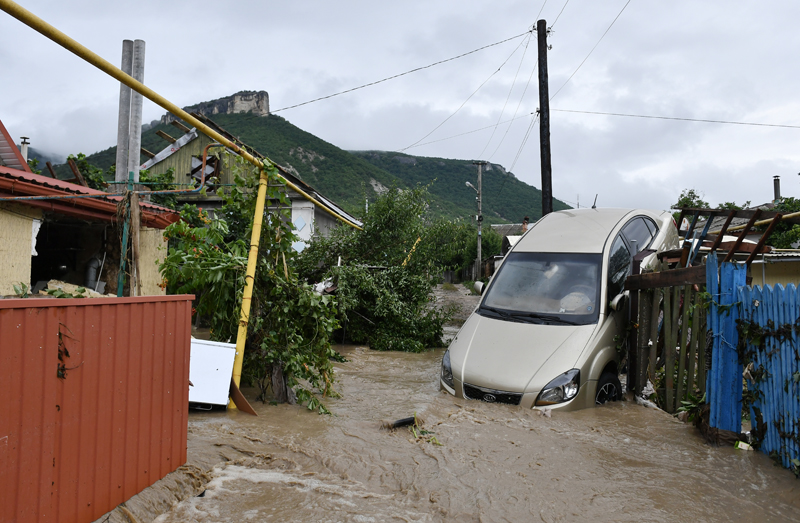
480,165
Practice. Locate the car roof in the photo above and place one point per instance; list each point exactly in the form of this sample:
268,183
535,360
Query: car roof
577,230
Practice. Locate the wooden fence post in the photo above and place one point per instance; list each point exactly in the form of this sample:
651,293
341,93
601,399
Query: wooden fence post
643,336
725,394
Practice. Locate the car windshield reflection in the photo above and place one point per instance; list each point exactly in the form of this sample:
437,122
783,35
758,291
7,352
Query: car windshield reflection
552,288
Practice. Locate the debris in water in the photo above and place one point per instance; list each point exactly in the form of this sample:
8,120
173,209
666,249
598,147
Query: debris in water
404,422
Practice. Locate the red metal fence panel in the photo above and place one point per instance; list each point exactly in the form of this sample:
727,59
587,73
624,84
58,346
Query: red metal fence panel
93,402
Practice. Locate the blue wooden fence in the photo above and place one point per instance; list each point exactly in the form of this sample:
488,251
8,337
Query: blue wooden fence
772,319
775,373
724,385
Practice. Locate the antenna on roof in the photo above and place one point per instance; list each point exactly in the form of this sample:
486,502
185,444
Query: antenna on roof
594,205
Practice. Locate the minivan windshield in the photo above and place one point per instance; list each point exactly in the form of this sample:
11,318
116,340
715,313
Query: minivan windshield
553,288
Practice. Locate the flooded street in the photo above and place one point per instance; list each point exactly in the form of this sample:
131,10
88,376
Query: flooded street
621,462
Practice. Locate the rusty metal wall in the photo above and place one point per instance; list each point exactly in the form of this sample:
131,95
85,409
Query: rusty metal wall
93,402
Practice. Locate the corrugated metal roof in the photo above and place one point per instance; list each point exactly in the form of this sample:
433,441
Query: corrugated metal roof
14,182
9,154
94,402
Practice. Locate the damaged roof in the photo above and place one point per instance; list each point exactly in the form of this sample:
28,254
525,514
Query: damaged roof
9,154
84,202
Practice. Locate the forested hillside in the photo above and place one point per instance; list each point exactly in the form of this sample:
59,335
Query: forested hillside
349,178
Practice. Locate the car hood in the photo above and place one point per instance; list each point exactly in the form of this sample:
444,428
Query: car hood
515,357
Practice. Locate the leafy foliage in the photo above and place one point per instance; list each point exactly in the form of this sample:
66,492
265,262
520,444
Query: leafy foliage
786,234
290,326
161,182
93,175
387,272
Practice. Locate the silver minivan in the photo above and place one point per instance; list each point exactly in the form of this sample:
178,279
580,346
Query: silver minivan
550,325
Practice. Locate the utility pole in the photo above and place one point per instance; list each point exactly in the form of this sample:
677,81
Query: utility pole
480,164
544,120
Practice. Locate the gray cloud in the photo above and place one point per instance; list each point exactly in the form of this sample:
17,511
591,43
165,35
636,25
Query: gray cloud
709,60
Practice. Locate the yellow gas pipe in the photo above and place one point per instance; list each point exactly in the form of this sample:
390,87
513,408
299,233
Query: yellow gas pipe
39,25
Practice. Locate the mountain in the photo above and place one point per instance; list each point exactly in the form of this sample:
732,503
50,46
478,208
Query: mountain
349,178
505,198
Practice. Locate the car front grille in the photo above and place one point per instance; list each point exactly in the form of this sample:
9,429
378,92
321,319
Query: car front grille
490,395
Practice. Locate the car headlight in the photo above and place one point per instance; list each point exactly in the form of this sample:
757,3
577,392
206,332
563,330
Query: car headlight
447,373
563,388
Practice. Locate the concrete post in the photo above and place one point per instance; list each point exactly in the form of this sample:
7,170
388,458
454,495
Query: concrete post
135,140
124,120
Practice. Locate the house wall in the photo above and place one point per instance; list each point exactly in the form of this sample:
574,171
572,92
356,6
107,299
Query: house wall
773,273
16,228
324,222
181,161
153,249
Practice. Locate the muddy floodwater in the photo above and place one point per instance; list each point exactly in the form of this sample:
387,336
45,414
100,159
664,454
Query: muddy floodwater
621,462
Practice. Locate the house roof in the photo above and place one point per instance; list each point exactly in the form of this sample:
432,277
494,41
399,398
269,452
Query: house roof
83,202
508,229
193,134
9,154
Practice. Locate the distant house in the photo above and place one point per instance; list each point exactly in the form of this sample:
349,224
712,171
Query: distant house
184,155
69,232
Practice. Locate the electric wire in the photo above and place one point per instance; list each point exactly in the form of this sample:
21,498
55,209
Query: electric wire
727,122
521,147
463,134
465,101
511,90
559,15
521,99
402,74
592,51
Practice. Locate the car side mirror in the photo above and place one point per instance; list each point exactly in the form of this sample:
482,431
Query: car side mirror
619,300
479,287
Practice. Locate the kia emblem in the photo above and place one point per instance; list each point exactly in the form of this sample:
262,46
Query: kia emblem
490,398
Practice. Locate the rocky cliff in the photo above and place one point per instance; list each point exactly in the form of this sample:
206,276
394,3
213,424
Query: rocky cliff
256,102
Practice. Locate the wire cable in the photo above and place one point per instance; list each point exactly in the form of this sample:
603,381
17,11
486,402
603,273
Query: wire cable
402,74
757,124
593,48
559,15
465,101
508,97
462,134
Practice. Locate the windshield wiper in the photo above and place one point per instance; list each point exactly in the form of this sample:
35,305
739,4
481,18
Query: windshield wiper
501,313
547,317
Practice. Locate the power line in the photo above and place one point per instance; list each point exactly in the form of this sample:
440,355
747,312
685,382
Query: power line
462,134
465,101
680,119
402,74
593,48
559,15
508,97
522,146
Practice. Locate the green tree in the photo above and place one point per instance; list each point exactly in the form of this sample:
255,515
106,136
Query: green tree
387,271
288,339
93,175
786,234
689,198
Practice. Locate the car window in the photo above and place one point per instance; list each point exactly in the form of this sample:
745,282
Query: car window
638,233
619,267
565,286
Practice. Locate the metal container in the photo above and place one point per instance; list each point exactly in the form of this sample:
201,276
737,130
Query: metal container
93,402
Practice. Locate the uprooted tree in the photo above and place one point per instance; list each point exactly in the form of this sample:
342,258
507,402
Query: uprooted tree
384,273
288,343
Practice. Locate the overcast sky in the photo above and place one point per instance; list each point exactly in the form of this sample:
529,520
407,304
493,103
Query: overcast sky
714,60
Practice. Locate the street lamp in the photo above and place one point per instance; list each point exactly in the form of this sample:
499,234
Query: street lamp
480,165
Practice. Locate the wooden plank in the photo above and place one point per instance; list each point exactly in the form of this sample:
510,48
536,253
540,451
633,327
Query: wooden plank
693,345
701,352
667,278
682,354
727,223
763,239
180,126
670,351
76,172
654,311
726,394
643,336
147,153
51,170
741,237
165,136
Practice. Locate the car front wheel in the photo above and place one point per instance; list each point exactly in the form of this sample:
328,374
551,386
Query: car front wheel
608,389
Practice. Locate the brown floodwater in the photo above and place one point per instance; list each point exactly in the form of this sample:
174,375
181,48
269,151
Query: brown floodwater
620,462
